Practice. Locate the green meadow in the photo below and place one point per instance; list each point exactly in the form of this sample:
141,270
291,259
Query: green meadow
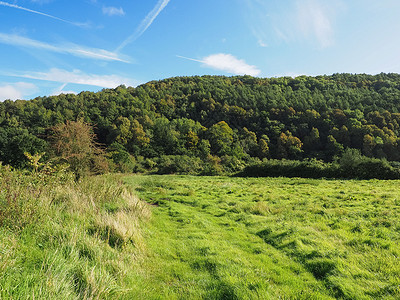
269,238
192,237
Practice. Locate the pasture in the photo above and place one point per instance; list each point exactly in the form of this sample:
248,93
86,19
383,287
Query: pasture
269,238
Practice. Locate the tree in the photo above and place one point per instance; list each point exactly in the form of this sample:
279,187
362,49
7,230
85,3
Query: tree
74,142
312,141
123,128
289,146
248,142
368,145
263,148
14,142
333,148
139,136
221,138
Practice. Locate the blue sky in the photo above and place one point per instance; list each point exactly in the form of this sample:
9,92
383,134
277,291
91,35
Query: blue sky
50,47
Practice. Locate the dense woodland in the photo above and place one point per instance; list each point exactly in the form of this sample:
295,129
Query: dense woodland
212,124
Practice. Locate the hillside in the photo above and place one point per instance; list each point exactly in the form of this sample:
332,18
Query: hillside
222,120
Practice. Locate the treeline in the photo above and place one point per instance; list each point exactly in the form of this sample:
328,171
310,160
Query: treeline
217,123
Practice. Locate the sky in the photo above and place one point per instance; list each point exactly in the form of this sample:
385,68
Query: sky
49,47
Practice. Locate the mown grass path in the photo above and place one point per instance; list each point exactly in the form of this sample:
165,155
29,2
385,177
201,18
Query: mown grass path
269,238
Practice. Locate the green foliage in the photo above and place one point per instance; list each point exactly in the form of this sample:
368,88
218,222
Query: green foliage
220,136
182,164
124,162
354,165
351,165
279,118
14,142
291,168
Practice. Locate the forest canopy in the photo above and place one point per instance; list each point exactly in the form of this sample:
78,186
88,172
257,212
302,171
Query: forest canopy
218,120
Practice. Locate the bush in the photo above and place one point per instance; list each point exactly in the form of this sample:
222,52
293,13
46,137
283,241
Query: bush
124,162
290,168
231,164
354,165
351,165
179,164
212,166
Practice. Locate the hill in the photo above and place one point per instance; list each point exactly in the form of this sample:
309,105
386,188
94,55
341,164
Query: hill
225,121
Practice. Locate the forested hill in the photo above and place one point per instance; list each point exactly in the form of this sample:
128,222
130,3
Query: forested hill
216,117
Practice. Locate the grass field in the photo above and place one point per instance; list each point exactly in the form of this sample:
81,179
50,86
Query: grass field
197,238
268,238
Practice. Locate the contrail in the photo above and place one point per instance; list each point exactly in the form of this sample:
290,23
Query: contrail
202,61
2,3
73,49
146,22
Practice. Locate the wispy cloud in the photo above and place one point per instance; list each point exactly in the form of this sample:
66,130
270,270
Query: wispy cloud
73,49
145,24
60,90
2,3
77,77
261,43
18,90
227,63
41,1
295,21
315,20
113,11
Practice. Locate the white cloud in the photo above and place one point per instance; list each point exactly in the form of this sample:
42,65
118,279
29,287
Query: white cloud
73,49
18,90
2,3
113,11
78,77
145,24
227,63
230,64
291,74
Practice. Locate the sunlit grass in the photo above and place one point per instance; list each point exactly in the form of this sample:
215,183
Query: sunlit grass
198,238
236,238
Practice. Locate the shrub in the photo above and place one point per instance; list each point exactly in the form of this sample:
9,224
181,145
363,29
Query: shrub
289,168
179,164
352,165
124,162
231,164
212,166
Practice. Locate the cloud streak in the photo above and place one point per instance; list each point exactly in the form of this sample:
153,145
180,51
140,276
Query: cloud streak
315,20
227,63
72,49
145,24
77,77
294,21
2,3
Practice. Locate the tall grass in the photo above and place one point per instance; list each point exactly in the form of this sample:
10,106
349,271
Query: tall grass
62,239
